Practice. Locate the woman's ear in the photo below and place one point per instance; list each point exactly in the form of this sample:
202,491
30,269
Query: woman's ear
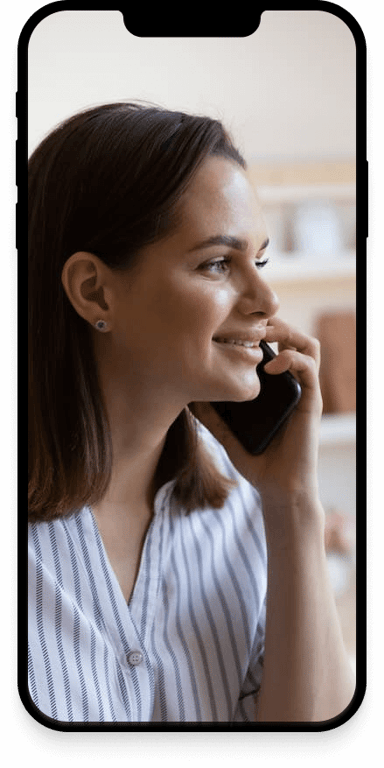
85,281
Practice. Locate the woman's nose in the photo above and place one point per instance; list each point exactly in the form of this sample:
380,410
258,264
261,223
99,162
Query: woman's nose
257,297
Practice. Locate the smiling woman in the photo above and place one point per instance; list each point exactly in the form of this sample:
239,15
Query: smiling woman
180,301
151,597
92,152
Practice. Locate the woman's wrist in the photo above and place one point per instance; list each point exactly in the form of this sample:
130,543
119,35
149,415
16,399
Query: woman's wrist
295,517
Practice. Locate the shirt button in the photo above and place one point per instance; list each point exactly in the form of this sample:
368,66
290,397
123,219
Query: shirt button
134,658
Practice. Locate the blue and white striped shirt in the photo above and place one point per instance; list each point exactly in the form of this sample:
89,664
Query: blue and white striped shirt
189,645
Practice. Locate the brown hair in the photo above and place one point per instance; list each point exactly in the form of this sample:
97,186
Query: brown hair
105,181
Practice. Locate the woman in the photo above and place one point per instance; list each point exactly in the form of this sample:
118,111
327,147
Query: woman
150,595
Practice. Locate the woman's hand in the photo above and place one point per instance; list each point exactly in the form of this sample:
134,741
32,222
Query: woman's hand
287,470
306,675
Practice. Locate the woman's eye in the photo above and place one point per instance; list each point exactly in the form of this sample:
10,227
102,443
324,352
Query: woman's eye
219,265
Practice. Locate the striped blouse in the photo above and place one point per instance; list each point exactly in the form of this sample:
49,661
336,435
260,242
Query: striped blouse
189,645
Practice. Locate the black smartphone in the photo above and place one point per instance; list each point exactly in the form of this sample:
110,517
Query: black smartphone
255,422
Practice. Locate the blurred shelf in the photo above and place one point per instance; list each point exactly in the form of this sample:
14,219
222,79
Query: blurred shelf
338,429
346,607
304,173
291,268
309,284
295,193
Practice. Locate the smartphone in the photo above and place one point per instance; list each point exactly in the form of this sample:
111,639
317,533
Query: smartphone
256,422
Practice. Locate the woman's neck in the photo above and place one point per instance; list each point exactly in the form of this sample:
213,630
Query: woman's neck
139,416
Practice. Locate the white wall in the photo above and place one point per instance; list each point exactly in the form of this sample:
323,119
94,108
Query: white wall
286,91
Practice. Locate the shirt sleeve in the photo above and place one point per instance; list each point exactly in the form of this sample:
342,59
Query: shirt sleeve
253,680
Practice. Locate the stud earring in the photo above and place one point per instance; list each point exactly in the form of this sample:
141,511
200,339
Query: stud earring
101,325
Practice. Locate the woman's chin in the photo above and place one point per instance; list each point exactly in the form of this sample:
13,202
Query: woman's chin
241,391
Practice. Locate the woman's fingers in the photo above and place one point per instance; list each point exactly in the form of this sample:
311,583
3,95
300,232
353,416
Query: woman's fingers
299,354
289,338
303,366
288,360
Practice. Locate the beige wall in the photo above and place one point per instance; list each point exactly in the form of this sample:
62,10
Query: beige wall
286,91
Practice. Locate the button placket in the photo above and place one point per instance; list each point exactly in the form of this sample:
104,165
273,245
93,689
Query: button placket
144,599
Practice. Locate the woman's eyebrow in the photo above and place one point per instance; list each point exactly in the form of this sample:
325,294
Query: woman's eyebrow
232,242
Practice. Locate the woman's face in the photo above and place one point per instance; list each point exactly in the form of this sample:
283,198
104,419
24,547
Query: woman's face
197,296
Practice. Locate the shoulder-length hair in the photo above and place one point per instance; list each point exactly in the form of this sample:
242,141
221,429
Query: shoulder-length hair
105,181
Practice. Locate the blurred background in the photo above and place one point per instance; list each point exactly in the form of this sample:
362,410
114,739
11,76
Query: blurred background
287,95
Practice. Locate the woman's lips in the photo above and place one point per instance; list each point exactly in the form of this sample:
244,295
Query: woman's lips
245,348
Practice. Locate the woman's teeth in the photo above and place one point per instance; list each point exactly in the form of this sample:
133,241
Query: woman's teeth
237,343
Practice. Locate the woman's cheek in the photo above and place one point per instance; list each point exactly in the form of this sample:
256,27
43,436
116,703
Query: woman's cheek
199,308
213,301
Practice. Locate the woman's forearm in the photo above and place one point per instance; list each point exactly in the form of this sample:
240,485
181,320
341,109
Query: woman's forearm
307,676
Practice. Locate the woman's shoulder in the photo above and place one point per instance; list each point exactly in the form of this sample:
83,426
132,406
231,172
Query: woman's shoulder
58,532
